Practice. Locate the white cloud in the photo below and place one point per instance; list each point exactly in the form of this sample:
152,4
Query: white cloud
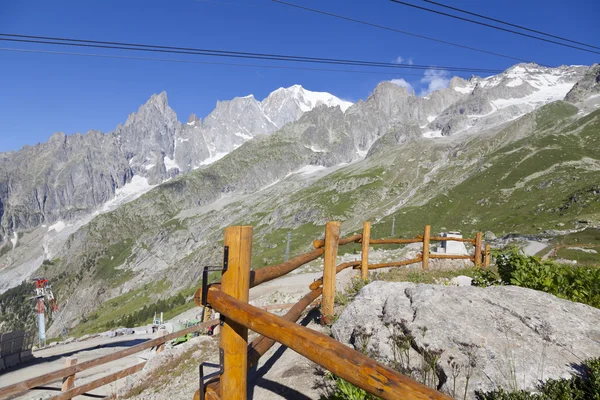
398,60
435,80
403,83
410,61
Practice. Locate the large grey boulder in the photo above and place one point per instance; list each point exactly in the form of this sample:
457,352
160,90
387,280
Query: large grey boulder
501,336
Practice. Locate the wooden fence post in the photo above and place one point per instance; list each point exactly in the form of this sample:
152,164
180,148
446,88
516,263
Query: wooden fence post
426,236
366,236
161,347
478,249
332,237
487,255
234,337
69,382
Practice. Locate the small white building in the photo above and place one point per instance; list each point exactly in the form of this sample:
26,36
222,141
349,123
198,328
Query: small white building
452,246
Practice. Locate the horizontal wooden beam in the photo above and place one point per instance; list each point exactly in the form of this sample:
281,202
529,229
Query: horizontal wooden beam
271,272
76,391
334,356
340,267
25,385
317,244
395,263
277,306
395,241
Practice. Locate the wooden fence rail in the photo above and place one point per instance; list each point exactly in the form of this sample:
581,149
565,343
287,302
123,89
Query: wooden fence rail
31,383
338,358
323,350
230,298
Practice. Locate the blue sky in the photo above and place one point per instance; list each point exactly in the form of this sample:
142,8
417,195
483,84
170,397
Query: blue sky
43,93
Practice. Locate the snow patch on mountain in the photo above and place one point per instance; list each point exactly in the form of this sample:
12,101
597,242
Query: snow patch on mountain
243,136
307,100
433,134
310,169
545,94
15,240
57,227
170,164
214,158
129,192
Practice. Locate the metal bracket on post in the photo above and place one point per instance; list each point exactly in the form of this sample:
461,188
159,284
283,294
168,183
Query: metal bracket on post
204,378
208,269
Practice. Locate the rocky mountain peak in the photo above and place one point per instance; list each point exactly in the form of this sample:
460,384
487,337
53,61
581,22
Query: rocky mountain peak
386,89
57,138
157,106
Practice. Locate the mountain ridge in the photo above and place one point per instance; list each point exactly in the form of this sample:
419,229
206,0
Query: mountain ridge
371,162
151,144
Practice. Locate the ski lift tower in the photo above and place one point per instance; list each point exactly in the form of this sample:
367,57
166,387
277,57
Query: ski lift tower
43,291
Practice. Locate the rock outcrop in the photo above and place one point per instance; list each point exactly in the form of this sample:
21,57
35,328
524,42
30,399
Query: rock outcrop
502,336
586,87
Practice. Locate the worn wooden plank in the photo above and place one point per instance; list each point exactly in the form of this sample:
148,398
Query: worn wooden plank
332,236
317,244
69,381
338,358
64,372
271,272
395,241
99,382
234,336
487,255
364,270
478,238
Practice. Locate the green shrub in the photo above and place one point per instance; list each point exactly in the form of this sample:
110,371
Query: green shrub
581,284
585,386
344,390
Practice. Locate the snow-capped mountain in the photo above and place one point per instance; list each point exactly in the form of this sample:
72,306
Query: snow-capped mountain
498,99
285,105
236,121
154,146
281,177
79,173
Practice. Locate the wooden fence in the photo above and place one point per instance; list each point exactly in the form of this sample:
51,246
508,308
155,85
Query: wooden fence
230,298
67,374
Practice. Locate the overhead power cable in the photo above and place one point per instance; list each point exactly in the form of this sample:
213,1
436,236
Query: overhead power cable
493,26
390,74
223,53
510,24
399,31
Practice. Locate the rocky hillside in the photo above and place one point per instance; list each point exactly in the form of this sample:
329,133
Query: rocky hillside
68,177
503,153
